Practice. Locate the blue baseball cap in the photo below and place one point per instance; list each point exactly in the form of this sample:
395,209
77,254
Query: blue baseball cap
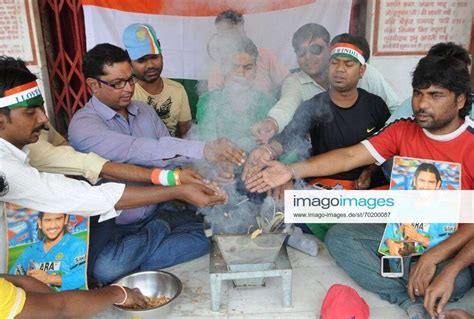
140,39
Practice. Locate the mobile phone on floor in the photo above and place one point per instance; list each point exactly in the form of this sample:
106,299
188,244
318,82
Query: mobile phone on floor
391,266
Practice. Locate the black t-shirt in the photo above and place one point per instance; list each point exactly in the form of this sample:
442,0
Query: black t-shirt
332,127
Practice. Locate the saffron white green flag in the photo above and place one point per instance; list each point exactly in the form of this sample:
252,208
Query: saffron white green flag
184,27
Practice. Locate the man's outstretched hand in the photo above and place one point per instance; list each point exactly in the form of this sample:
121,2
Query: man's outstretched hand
255,162
190,175
200,195
275,174
223,149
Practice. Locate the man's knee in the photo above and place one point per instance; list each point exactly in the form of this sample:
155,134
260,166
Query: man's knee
204,243
336,233
107,271
199,242
338,237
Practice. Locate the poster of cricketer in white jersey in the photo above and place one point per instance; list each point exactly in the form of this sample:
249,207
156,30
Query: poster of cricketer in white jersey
49,247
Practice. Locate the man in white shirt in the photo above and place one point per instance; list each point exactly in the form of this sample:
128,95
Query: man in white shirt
21,120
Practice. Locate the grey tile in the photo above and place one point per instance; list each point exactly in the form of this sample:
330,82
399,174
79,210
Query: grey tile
195,300
299,259
308,294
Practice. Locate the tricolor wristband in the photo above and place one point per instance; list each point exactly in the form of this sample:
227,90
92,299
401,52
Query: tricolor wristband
163,177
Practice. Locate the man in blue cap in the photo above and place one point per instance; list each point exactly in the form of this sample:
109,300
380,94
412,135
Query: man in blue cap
167,97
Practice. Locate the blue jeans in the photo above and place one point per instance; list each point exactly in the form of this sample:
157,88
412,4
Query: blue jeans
354,247
150,244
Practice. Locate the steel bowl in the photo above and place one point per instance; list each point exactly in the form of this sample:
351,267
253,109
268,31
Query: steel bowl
151,284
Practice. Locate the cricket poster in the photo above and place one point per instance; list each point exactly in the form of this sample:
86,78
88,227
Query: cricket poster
49,247
419,174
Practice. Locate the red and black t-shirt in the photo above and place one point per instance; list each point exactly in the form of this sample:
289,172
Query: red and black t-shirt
405,138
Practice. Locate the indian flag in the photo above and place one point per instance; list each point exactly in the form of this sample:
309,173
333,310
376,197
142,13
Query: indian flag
184,27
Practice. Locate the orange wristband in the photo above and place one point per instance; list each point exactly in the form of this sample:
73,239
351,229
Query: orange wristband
155,176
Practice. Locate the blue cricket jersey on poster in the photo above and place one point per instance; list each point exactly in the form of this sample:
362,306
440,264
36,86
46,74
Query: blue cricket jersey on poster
67,259
435,232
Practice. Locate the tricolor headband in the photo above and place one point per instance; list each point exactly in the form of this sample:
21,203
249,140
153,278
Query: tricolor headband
24,95
349,50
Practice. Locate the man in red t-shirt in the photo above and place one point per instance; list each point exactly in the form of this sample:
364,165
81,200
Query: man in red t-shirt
440,130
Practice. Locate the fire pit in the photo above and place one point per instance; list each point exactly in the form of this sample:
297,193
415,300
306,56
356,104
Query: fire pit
247,259
247,242
242,250
250,265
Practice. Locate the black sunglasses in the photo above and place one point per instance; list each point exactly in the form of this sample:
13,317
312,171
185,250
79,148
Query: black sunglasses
315,49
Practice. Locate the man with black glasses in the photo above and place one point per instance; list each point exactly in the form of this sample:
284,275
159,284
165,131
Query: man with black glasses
311,45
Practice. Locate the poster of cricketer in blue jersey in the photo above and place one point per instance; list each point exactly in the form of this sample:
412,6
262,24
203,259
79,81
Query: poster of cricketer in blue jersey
49,247
419,174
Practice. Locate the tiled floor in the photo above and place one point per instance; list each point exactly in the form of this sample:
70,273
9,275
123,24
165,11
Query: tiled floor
312,276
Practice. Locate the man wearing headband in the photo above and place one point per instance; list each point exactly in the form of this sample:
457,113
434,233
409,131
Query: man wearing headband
441,130
52,154
312,49
167,97
340,117
21,121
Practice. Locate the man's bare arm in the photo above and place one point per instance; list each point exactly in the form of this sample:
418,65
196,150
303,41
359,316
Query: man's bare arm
441,288
75,304
424,270
463,259
452,245
195,194
27,283
332,162
276,173
125,173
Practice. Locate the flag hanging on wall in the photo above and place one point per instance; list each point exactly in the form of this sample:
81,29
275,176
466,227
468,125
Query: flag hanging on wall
185,27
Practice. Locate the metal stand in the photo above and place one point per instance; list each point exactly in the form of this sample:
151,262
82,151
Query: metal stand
219,271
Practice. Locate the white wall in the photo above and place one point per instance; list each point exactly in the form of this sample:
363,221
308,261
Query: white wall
396,69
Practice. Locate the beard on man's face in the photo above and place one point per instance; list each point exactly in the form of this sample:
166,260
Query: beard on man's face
150,75
426,120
